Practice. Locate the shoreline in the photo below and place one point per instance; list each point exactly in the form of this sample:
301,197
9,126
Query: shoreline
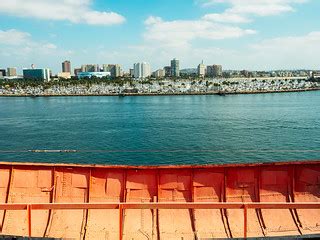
219,93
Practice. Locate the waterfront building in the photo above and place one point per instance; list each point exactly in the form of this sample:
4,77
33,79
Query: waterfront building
201,69
245,73
36,73
159,73
12,72
167,71
65,75
90,68
315,74
114,69
66,66
2,73
214,70
175,69
76,71
141,70
93,74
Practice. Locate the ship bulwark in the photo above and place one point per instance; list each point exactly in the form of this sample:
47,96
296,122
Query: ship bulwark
293,182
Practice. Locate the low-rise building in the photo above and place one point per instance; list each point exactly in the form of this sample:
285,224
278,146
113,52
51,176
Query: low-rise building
3,73
76,71
246,73
11,72
65,75
93,74
167,71
131,72
315,74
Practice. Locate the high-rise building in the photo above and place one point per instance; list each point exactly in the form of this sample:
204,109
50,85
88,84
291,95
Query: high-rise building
159,73
37,73
141,70
214,70
175,71
12,72
66,66
201,69
114,69
90,68
167,71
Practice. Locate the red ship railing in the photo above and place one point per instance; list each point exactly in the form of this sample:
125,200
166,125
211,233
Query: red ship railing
29,207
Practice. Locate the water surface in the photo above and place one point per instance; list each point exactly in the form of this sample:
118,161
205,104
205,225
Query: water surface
162,129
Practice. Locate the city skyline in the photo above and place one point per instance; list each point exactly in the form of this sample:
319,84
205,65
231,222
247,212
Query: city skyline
252,35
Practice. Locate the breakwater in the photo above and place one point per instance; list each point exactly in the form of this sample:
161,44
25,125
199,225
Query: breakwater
164,87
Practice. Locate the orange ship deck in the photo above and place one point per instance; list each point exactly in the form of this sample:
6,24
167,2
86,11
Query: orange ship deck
159,202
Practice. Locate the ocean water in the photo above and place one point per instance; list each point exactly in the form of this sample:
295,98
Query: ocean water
157,130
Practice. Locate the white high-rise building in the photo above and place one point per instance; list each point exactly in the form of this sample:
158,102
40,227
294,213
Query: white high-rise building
141,70
201,69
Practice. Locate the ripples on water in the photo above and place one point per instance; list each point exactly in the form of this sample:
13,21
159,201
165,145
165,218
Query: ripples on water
163,129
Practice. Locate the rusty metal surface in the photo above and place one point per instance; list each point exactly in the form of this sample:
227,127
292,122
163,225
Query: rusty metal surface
82,202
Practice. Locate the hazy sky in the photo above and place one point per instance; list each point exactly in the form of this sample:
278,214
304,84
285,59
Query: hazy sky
239,34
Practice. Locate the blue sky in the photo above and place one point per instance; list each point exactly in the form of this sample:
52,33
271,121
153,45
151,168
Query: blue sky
239,34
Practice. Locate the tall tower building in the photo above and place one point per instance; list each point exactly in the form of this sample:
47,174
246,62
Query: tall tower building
175,68
214,70
114,69
90,68
201,69
141,70
66,66
217,70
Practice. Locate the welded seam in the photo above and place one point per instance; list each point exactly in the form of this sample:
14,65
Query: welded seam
192,211
157,210
86,212
52,200
291,199
7,196
224,211
257,195
293,194
124,199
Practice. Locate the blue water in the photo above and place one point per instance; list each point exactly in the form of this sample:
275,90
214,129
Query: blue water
162,129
